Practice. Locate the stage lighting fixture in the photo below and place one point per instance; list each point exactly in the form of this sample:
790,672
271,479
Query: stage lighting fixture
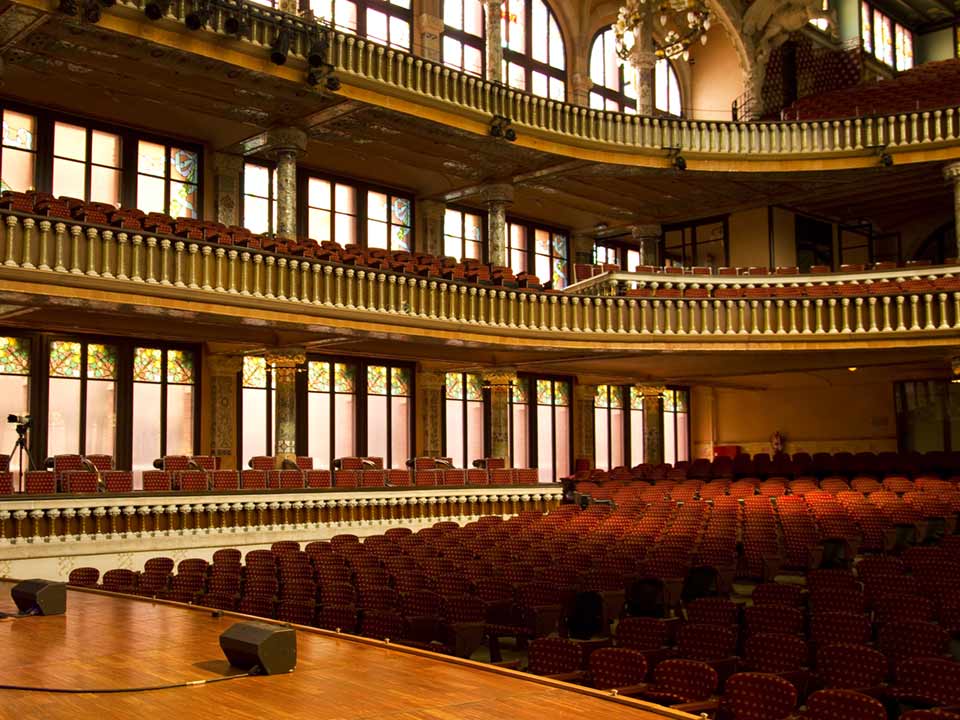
68,7
156,9
333,83
500,127
680,163
199,16
317,56
280,47
886,159
235,25
91,11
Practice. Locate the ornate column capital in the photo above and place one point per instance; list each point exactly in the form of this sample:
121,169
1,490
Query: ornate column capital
227,163
431,26
650,230
285,140
221,365
498,193
951,172
431,379
286,357
500,380
432,209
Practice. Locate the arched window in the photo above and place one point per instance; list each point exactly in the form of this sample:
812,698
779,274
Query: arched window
383,21
464,38
533,59
614,86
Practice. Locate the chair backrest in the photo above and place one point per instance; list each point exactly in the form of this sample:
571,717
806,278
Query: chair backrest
712,611
550,656
101,462
932,678
773,618
160,565
617,667
156,481
39,482
758,696
833,704
117,481
903,640
775,652
224,480
84,577
706,642
641,633
776,594
690,679
851,666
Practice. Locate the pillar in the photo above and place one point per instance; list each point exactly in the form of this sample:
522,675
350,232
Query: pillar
494,56
284,146
500,382
652,424
581,249
430,391
647,238
580,86
431,226
498,198
428,31
284,363
223,402
228,171
644,62
952,173
584,429
289,6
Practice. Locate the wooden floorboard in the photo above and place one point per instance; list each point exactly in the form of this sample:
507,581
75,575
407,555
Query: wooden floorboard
113,641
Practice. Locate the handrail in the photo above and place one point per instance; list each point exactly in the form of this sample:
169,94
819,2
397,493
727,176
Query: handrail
44,251
365,63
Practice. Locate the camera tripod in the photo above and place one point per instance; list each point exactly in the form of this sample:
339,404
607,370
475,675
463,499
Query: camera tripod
20,447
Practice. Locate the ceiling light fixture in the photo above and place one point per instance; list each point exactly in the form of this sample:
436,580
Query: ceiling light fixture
684,22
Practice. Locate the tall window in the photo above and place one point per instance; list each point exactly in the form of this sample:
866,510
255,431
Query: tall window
888,41
383,21
462,235
701,243
552,432
389,413
259,198
638,448
167,179
463,35
463,409
14,388
540,250
608,427
86,163
533,49
331,211
18,152
520,423
676,425
389,221
614,83
616,252
82,409
331,411
259,405
163,404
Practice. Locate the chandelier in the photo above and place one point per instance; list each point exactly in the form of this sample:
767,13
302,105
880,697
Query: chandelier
683,20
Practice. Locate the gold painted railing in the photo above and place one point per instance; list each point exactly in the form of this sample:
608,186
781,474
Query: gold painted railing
42,250
29,524
365,63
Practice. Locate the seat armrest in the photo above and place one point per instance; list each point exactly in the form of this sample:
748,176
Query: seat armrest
568,676
637,689
695,708
508,664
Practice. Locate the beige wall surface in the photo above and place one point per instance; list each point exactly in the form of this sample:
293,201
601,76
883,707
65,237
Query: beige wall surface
717,79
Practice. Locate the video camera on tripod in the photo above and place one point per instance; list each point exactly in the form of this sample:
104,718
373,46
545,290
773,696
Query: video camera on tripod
23,423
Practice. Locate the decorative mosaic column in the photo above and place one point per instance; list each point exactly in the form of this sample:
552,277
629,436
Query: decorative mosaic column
584,430
494,56
498,198
652,423
228,170
644,62
430,389
952,173
284,364
647,238
431,226
500,383
285,146
223,414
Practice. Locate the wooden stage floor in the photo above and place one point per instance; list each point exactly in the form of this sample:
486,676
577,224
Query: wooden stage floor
112,641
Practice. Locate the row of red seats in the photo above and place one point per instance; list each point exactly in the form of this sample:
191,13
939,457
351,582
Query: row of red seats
585,272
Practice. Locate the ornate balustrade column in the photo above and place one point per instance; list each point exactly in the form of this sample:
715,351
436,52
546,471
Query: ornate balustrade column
501,383
498,198
584,440
952,173
431,226
647,238
284,363
430,390
284,146
652,424
223,414
228,170
494,49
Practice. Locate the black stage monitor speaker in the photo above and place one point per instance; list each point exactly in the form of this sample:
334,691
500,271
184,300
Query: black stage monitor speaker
40,597
271,648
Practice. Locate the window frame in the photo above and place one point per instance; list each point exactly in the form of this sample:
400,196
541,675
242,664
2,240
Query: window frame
363,409
271,168
689,244
876,15
388,8
664,413
624,423
526,60
533,459
465,38
46,118
530,253
464,210
464,405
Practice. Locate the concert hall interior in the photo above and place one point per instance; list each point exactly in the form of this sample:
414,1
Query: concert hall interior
446,358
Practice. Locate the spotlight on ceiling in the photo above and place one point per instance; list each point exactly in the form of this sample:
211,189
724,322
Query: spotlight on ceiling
156,9
199,16
679,162
886,159
68,7
91,11
324,75
500,127
235,25
852,368
280,47
317,55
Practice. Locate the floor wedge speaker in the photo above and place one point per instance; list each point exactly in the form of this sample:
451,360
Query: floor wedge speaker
271,648
40,597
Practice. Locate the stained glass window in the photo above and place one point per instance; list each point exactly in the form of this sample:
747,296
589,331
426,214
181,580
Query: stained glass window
548,253
389,221
14,356
101,362
600,397
65,359
544,392
609,427
520,388
399,382
636,419
888,41
545,429
474,387
636,398
463,35
254,372
86,163
344,378
331,416
147,365
866,27
179,367
376,380
167,179
561,393
18,152
676,425
463,418
463,234
454,385
533,49
904,47
318,377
